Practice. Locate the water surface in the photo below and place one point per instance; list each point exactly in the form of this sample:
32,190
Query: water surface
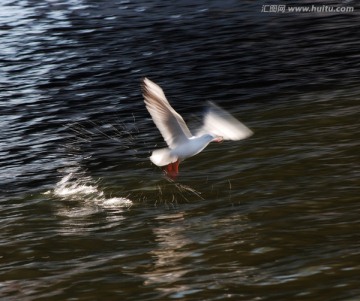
86,216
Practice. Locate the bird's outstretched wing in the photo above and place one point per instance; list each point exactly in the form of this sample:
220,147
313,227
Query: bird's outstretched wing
170,124
218,122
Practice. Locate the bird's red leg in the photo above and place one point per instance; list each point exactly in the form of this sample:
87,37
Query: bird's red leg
176,166
172,169
168,169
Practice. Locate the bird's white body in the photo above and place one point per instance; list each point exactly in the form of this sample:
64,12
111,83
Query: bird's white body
218,125
191,147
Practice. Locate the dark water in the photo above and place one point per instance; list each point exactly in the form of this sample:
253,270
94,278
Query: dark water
84,214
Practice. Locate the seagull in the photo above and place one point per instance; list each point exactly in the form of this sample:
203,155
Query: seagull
218,125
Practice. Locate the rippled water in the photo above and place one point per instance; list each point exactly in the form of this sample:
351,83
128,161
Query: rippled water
86,216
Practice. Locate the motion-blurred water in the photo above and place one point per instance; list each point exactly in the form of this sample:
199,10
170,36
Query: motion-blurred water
84,213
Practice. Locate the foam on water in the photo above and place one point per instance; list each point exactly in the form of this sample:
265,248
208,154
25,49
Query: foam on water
75,185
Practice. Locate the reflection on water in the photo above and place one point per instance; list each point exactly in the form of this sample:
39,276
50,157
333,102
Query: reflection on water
177,253
170,238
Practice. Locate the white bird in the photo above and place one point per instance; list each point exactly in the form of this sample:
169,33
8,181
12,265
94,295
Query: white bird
218,125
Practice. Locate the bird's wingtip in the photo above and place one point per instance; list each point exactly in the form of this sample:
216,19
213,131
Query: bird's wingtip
145,82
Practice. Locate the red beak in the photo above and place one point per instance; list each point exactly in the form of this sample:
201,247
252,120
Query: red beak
218,139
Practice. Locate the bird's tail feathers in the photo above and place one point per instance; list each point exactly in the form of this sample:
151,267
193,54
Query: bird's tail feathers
163,156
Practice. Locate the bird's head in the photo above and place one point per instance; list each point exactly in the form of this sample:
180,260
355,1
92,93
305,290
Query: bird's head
212,138
218,139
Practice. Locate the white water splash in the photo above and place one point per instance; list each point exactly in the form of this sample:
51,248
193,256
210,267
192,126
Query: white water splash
77,186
